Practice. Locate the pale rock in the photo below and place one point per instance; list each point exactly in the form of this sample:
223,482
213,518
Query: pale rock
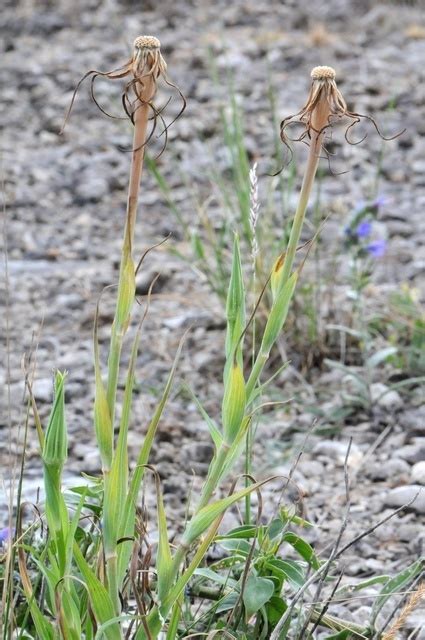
418,472
403,495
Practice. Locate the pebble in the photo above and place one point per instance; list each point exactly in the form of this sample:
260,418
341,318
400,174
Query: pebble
402,495
43,389
386,398
90,188
418,472
414,452
388,470
337,452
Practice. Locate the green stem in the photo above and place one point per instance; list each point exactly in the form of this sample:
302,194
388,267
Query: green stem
309,175
112,576
338,624
141,119
214,476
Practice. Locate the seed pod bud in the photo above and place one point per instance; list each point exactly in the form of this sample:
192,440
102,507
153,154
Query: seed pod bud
55,450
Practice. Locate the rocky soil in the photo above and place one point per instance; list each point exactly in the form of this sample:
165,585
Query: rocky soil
65,204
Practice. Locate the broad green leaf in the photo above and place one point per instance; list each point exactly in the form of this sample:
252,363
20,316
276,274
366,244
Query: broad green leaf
256,593
275,608
341,635
227,603
275,528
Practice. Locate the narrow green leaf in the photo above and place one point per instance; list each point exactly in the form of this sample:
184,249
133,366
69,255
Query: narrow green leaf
381,356
127,523
216,436
395,584
164,560
302,547
341,635
100,600
246,531
278,314
127,291
213,576
290,569
102,416
234,402
235,307
206,516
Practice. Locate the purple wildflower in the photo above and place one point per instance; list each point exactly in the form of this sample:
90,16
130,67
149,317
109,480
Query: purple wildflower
5,535
380,201
377,248
364,229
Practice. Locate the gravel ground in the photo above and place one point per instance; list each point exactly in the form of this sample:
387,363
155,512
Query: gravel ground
65,204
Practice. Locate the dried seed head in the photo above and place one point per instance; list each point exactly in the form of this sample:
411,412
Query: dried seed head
147,58
323,73
145,67
325,104
147,42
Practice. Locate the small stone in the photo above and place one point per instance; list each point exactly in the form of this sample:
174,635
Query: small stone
43,390
414,452
414,420
403,495
385,397
388,470
91,189
418,472
337,451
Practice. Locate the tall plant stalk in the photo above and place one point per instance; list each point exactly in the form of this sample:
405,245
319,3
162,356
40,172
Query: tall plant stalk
146,66
141,119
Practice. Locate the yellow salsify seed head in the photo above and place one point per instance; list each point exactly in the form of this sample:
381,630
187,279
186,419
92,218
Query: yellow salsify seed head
147,42
323,73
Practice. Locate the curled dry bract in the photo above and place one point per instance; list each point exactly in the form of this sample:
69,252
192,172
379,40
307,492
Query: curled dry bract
145,68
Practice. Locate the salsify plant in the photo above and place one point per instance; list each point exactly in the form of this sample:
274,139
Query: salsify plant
86,568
